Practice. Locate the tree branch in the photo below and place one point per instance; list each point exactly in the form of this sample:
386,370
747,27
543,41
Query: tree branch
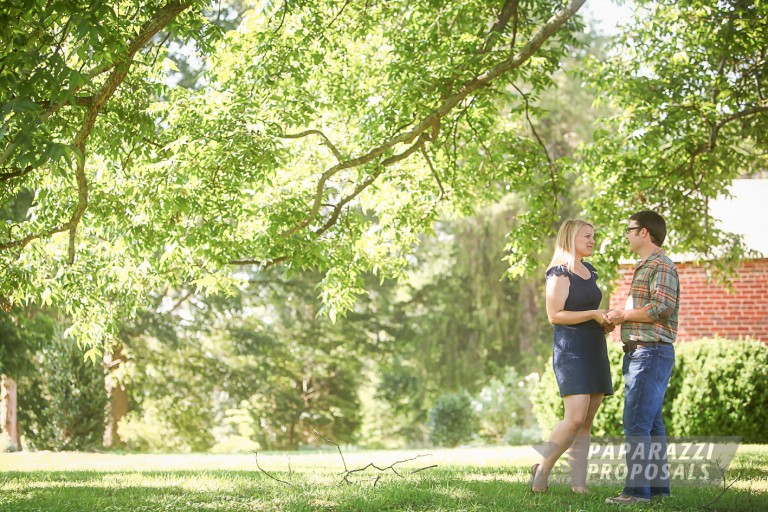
282,18
723,471
326,141
80,101
367,182
348,472
481,80
709,146
161,19
434,173
15,174
739,115
256,454
507,11
22,242
552,167
437,179
330,23
261,263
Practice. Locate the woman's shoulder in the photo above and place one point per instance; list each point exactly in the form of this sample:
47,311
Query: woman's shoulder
591,269
558,271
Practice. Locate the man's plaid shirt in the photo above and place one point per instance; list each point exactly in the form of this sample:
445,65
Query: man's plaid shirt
655,287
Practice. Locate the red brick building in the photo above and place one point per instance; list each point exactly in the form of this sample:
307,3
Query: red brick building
707,309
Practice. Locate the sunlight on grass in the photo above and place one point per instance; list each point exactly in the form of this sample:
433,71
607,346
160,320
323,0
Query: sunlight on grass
270,461
494,478
516,477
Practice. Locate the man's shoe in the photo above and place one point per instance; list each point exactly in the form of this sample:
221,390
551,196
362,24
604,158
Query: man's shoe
626,499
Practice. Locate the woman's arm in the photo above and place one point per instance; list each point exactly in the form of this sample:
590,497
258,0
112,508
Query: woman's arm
557,293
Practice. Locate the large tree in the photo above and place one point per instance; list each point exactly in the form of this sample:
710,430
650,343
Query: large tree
328,135
325,135
690,82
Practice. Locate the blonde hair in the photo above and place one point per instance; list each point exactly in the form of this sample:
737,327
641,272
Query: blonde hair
565,244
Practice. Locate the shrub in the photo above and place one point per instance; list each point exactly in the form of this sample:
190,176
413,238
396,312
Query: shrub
5,443
522,436
61,405
148,431
723,390
503,409
718,388
452,420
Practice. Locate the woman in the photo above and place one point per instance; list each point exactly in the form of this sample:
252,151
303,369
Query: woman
580,357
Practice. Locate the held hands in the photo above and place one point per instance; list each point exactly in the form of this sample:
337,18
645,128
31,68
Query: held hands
616,316
613,318
602,317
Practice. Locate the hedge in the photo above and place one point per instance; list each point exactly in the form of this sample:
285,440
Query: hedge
719,387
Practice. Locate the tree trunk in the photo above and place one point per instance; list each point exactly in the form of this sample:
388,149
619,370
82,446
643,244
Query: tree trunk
8,419
528,316
117,398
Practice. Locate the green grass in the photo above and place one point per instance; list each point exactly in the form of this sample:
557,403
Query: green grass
464,479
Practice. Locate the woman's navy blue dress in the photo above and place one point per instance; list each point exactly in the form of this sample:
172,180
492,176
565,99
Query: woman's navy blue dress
580,354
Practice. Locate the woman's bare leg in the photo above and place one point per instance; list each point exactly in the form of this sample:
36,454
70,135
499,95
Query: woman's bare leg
562,436
579,452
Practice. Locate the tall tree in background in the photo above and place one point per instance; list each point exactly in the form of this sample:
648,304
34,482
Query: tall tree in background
690,81
258,369
327,138
328,135
455,304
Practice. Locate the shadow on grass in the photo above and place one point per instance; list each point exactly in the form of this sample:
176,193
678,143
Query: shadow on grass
489,489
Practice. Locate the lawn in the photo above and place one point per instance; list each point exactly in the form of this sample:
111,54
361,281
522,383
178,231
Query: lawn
463,479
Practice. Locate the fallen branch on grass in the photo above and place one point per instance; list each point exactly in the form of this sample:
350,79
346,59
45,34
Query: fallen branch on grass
348,472
272,476
723,471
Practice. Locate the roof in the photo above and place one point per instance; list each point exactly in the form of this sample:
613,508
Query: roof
736,214
740,214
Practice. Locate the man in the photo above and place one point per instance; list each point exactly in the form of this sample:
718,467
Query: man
648,332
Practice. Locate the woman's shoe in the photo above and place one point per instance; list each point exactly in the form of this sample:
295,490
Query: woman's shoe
534,468
581,490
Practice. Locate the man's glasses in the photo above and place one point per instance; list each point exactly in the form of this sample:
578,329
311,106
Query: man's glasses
631,228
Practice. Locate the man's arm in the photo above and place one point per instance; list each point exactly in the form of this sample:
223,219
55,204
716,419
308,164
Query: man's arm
663,286
664,290
619,316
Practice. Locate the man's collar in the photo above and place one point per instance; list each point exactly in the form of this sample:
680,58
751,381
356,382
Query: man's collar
655,254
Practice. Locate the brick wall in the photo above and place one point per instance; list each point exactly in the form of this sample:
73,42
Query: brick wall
708,310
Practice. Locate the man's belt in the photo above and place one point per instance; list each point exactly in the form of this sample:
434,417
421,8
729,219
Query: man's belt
632,345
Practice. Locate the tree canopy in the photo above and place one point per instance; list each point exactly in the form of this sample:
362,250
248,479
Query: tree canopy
327,136
690,82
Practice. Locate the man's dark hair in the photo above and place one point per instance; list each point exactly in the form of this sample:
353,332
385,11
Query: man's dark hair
654,223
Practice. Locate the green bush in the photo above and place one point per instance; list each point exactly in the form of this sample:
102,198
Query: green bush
718,388
503,409
723,391
61,405
5,443
452,420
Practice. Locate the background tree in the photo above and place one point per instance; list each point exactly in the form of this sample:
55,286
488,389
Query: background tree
328,141
62,403
454,304
258,369
689,82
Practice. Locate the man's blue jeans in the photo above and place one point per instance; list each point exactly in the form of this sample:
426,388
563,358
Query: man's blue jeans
646,375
